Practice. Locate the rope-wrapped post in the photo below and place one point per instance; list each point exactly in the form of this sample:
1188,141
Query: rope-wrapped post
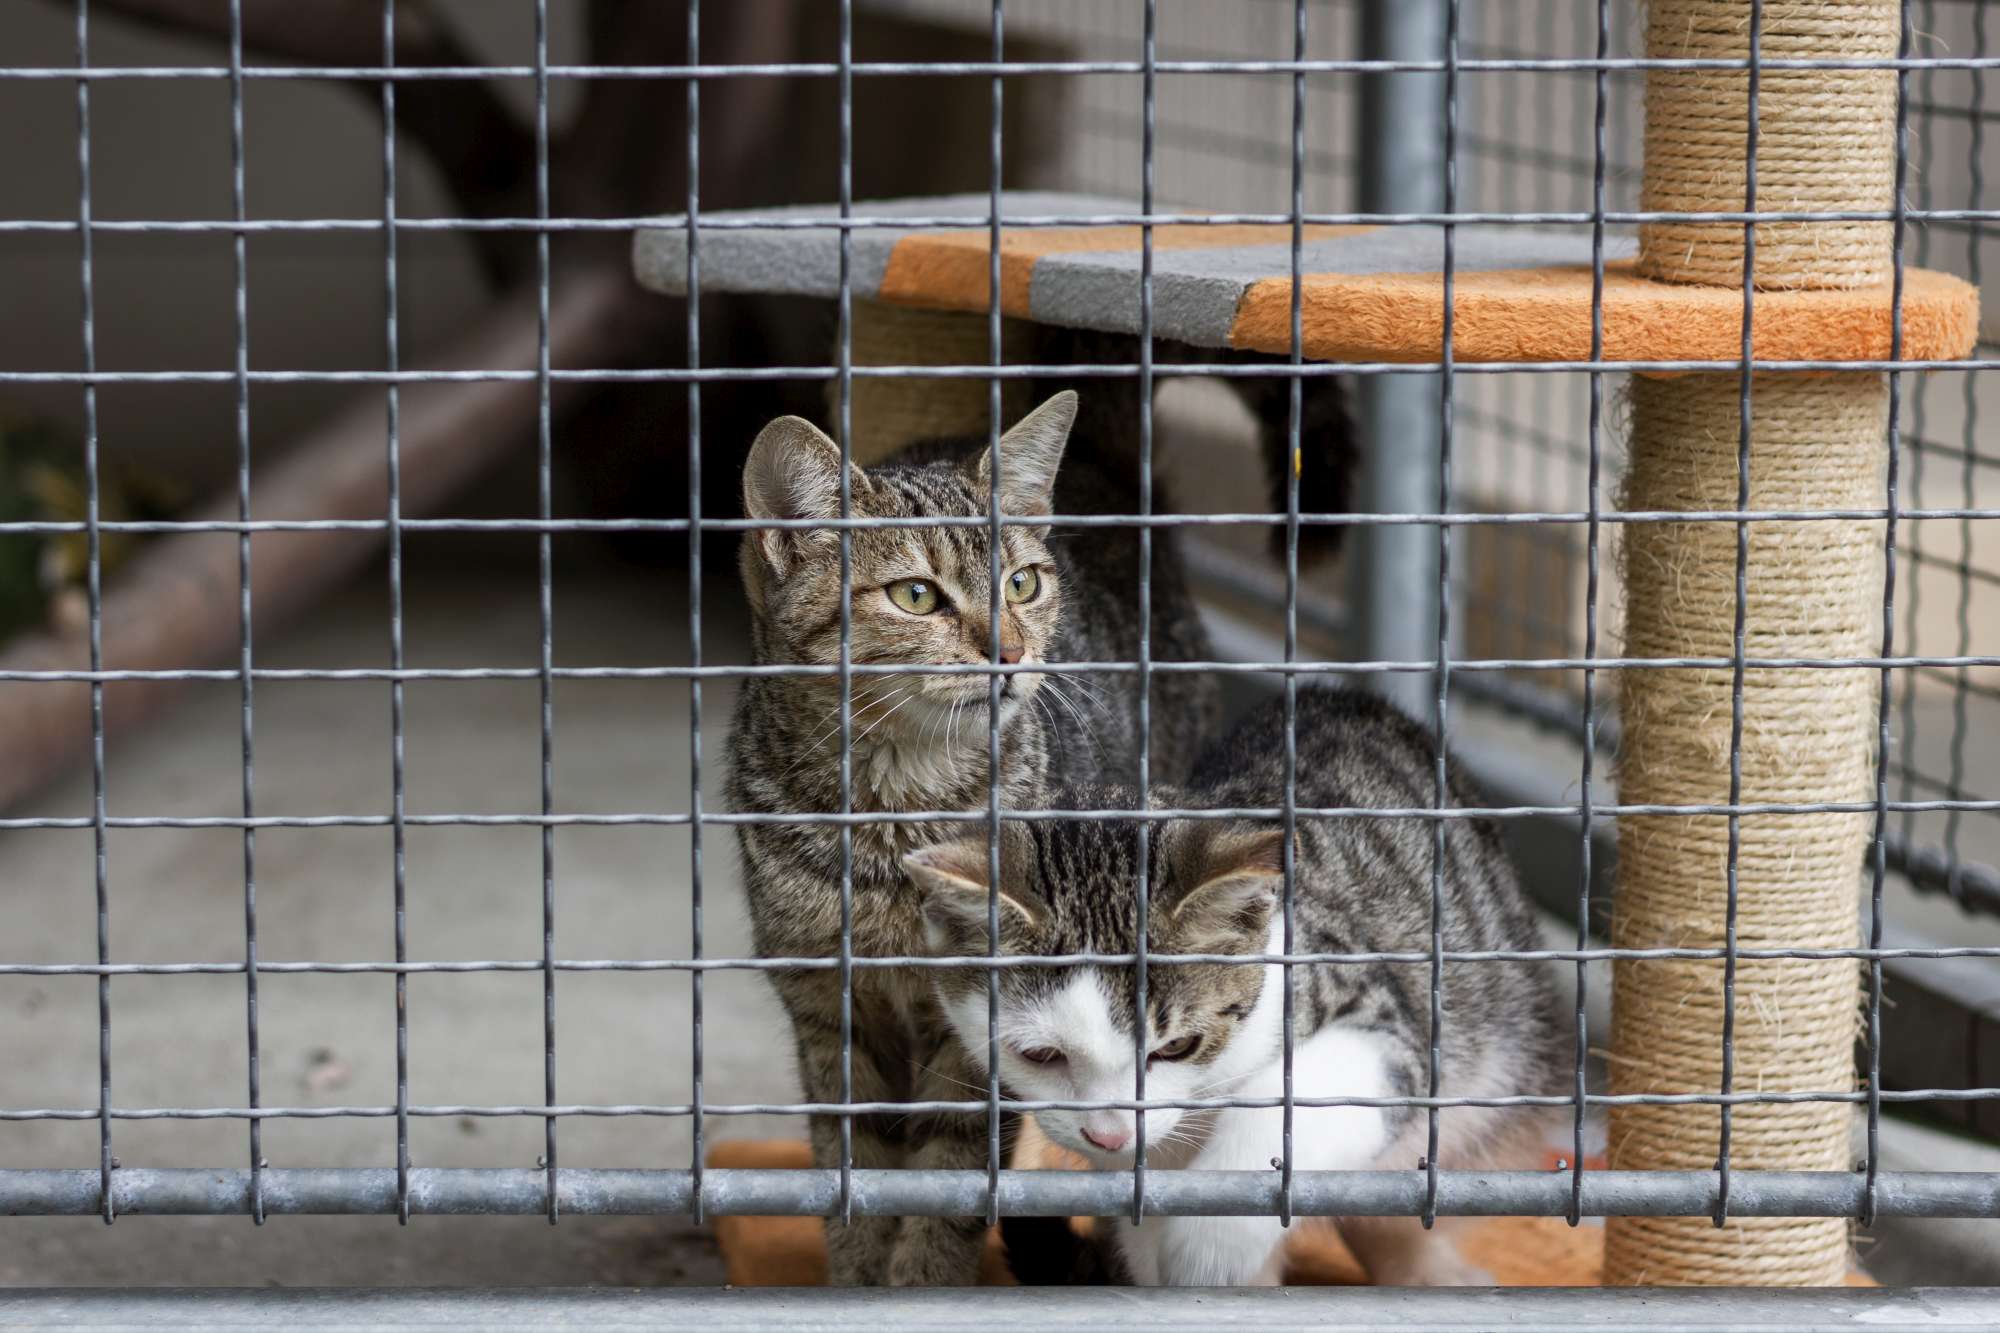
1826,142
1812,589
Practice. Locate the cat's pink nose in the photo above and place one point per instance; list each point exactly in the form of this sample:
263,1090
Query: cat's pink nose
1111,1140
1010,653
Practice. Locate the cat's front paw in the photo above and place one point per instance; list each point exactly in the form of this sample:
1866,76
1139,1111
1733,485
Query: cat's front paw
937,1252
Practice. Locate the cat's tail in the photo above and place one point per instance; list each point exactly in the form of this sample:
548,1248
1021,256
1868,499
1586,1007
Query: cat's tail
1047,1252
1326,456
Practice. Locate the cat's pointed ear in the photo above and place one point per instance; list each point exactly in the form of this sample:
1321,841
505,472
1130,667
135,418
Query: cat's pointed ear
1228,881
1030,453
794,473
953,877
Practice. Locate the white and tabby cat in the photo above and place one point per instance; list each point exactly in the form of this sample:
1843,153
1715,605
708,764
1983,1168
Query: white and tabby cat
1214,1029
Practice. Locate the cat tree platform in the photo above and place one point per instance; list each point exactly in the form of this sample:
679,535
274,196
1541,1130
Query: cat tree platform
1370,294
1375,295
1517,1251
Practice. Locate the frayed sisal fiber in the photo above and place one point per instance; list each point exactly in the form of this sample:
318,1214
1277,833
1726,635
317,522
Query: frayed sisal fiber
1813,590
1826,142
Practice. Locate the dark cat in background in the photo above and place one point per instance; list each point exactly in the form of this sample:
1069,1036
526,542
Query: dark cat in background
1107,420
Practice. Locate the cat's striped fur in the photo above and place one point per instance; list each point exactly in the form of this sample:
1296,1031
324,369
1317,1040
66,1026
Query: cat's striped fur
1361,885
920,743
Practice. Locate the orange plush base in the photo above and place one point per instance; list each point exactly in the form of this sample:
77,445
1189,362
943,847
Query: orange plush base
1518,1251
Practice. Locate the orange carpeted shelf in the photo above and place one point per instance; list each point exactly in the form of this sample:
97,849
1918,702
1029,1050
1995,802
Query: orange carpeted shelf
1518,1251
1368,293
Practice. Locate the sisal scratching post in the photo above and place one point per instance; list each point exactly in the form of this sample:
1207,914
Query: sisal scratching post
892,411
1813,591
1826,142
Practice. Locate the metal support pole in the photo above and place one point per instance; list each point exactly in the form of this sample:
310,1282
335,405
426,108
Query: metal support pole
1393,570
1095,1309
878,1192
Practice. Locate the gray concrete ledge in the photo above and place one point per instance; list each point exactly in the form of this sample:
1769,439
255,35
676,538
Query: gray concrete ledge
1095,1308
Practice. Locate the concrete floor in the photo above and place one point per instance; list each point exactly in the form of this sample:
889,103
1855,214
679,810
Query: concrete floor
473,893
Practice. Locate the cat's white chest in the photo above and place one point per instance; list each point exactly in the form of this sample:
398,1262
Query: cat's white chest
1336,1062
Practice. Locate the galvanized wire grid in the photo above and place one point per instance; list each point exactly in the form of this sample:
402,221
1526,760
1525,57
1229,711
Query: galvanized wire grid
1427,1192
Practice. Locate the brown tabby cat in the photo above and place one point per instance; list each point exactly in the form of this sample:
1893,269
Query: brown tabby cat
921,595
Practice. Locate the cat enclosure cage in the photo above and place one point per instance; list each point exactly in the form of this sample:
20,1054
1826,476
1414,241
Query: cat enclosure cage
1701,583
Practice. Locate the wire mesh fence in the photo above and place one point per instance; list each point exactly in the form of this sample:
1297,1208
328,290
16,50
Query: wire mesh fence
1202,119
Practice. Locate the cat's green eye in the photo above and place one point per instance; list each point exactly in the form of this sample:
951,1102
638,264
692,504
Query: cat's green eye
917,596
1042,1055
1180,1048
1024,585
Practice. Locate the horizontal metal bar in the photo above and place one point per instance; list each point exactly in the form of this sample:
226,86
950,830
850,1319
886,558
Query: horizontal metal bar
740,1192
682,1110
1942,1028
628,819
786,963
1964,570
1509,518
1974,885
807,671
962,222
1094,370
609,819
981,1309
1916,778
1329,666
975,68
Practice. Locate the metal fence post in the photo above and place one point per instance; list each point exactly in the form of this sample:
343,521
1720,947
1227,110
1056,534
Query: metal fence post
1393,569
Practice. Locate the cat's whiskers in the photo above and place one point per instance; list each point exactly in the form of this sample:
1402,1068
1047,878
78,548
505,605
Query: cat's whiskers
951,735
1091,689
1091,695
875,700
935,1072
1049,687
1056,729
1048,712
1175,1137
880,720
857,706
1082,722
1084,680
936,716
857,700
